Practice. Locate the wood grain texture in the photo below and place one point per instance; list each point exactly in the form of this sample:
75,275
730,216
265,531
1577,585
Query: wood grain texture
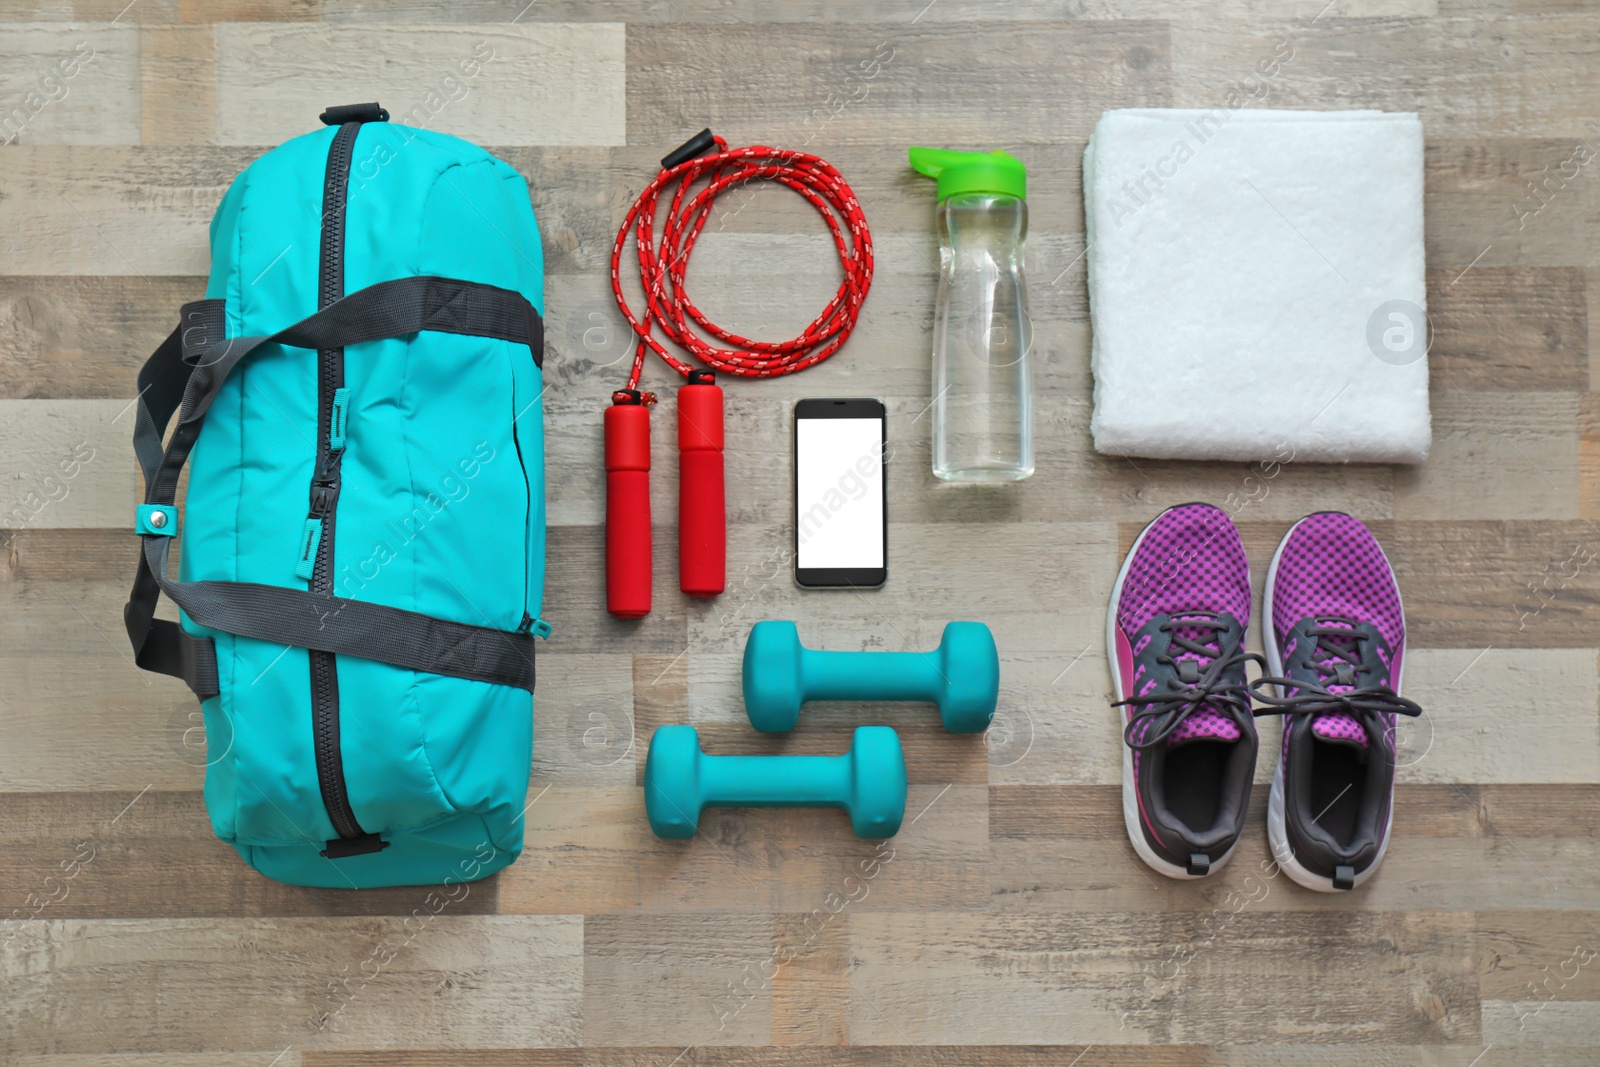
682,979
69,84
1495,455
917,11
805,89
65,211
1009,924
1277,1054
546,84
73,337
1588,457
811,990
1057,976
66,463
146,853
1060,849
1501,584
163,12
592,855
1471,694
470,979
1530,74
265,1058
1509,329
1487,202
185,55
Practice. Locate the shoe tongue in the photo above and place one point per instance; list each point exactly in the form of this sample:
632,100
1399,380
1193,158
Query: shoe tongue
1204,725
1341,673
1202,631
1207,724
1340,728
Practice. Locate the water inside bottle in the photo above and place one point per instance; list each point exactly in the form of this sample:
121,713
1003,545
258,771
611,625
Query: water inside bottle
983,336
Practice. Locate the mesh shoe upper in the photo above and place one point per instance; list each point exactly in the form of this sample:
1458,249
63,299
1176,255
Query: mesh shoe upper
1190,559
1181,616
1331,565
1340,635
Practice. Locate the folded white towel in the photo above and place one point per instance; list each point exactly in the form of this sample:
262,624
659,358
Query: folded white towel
1256,285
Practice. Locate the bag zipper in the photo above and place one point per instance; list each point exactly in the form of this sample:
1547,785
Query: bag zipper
325,498
529,623
525,625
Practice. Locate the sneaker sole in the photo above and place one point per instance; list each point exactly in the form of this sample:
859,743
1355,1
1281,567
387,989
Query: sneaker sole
1277,821
1130,793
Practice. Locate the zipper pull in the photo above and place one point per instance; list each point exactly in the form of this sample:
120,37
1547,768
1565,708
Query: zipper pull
537,627
325,487
310,541
338,417
322,497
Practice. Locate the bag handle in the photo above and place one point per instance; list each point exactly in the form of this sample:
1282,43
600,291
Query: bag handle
184,375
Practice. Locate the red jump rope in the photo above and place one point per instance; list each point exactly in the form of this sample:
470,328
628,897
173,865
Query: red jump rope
702,519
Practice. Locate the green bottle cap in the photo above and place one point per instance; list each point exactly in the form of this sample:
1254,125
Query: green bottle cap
972,172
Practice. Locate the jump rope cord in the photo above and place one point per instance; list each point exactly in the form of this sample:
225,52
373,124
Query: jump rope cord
662,267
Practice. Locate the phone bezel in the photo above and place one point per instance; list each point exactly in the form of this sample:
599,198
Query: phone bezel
825,407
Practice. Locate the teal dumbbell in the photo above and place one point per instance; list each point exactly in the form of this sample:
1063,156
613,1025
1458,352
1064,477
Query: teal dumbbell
962,676
869,782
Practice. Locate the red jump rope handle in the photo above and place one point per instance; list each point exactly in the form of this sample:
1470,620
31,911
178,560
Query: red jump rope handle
702,507
628,506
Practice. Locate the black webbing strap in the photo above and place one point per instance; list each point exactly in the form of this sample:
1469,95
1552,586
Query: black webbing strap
185,374
397,308
169,649
351,627
158,645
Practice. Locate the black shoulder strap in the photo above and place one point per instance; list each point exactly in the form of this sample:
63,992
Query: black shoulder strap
185,374
159,645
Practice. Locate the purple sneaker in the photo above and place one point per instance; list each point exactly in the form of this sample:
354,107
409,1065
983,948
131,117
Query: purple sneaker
1337,648
1175,637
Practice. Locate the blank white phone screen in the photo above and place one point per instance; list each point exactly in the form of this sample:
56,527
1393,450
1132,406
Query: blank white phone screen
839,492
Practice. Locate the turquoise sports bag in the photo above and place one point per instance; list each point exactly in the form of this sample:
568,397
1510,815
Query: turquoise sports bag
358,403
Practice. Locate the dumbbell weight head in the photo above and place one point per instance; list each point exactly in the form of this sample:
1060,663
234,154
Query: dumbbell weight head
672,795
970,663
774,685
878,780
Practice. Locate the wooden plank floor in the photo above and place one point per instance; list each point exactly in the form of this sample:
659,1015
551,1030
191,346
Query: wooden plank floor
1010,922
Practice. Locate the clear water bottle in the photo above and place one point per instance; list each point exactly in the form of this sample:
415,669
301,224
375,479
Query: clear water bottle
982,335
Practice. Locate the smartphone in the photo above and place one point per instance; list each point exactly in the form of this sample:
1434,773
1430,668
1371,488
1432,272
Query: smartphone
841,526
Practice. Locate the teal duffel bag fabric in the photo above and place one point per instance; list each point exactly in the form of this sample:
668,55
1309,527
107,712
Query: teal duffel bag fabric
358,403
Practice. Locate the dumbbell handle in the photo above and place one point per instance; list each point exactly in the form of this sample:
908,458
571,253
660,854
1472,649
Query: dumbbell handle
870,675
749,781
